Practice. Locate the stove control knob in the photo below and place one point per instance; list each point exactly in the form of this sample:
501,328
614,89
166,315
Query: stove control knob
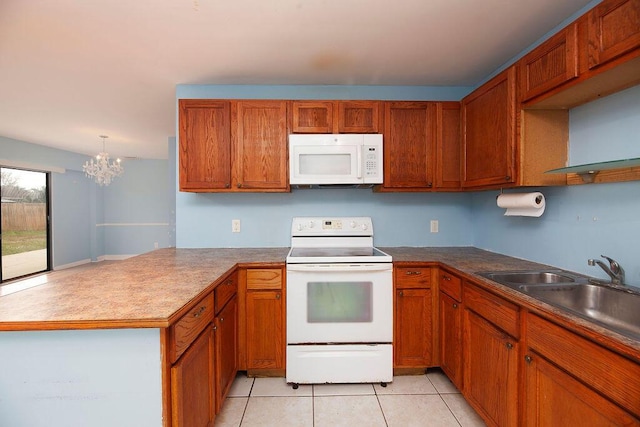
300,227
353,224
311,224
364,226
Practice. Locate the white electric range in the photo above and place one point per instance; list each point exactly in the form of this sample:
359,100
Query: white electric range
339,303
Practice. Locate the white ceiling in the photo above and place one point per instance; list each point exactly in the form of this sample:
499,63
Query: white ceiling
71,70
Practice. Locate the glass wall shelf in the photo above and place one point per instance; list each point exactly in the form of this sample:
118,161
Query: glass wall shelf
589,171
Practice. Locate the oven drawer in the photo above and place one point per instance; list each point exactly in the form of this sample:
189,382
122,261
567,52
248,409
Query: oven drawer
413,277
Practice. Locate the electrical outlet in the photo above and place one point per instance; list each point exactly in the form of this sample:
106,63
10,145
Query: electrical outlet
155,245
235,225
434,225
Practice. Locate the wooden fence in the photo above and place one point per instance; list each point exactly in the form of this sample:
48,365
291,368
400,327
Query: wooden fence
24,216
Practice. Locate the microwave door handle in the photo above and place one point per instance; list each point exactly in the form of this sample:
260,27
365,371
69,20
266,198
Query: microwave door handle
359,158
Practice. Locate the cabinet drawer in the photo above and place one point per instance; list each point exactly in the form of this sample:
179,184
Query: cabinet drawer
413,277
496,310
189,326
224,291
264,278
451,285
611,374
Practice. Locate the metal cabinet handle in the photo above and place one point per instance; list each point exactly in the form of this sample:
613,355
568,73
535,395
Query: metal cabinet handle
455,305
509,346
447,278
277,296
413,273
528,359
200,311
227,185
221,319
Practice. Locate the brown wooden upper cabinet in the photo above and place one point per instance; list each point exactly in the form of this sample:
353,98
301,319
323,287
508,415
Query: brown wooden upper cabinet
447,172
409,148
335,116
205,144
489,132
614,29
261,145
551,64
233,146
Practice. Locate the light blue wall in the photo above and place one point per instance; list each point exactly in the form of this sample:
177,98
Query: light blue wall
140,202
204,220
97,378
580,222
136,210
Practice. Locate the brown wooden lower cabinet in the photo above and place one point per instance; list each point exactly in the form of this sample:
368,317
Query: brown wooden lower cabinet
490,364
265,321
567,378
451,339
413,341
226,350
555,398
193,384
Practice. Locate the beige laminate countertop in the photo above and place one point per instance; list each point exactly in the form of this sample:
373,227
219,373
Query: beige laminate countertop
143,291
146,291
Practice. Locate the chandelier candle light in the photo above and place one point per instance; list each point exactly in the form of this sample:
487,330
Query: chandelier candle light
103,169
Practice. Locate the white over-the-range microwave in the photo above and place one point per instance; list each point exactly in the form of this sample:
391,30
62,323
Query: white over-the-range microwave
317,159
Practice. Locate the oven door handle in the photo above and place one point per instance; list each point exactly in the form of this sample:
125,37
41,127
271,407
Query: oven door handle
319,268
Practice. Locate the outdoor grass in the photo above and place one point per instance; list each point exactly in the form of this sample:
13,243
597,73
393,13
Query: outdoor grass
15,242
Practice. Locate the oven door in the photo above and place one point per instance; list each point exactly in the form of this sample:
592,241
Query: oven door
339,303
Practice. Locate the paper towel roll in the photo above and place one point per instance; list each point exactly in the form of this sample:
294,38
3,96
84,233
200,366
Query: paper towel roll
522,204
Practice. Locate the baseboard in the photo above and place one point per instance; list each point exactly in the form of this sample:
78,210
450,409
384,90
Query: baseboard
71,264
115,257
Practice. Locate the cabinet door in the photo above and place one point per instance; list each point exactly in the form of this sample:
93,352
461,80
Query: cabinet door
413,328
261,145
489,133
490,371
205,144
193,386
549,65
447,173
614,29
312,116
358,116
408,145
265,330
451,339
226,347
555,398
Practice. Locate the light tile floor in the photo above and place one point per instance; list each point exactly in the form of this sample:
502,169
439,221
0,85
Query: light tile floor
421,400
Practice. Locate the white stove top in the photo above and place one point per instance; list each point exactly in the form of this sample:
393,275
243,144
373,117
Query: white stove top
333,240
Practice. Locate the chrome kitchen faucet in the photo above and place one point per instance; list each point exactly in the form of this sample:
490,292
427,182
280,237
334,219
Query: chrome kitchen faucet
615,271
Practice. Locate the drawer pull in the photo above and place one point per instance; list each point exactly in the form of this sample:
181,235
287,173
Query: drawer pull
200,311
413,273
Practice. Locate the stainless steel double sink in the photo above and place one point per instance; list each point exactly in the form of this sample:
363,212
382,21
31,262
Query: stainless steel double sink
615,307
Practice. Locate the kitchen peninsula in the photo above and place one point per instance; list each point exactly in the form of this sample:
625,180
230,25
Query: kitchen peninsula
95,347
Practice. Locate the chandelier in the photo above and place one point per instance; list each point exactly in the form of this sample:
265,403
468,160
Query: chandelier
103,169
